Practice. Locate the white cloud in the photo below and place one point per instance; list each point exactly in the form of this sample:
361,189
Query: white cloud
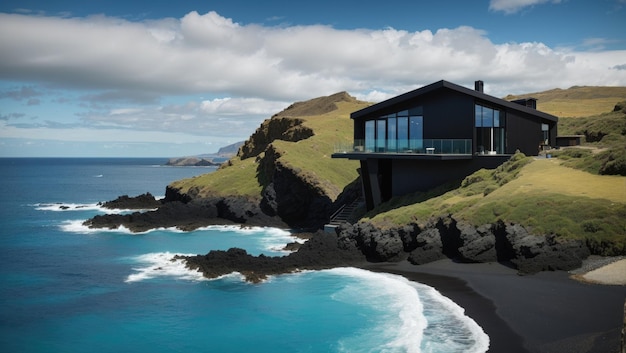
210,54
122,71
512,6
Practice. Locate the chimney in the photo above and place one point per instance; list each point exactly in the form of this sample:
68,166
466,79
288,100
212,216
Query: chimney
478,86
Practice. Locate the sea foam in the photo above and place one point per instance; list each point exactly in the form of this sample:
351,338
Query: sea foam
448,326
415,317
400,313
69,207
162,264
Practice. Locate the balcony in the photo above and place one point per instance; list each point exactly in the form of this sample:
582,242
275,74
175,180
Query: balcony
408,147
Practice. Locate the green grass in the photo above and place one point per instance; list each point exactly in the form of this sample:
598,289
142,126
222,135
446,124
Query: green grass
540,194
577,101
604,146
309,158
239,178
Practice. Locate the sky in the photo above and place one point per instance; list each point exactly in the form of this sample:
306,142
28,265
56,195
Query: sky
96,78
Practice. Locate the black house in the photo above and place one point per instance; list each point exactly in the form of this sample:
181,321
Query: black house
438,133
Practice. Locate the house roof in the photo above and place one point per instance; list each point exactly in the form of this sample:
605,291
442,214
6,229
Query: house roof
451,86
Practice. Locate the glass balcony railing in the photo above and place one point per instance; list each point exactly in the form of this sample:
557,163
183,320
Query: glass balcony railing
425,146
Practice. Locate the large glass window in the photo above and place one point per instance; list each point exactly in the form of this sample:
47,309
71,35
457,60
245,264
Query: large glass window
370,135
403,134
398,132
381,135
490,130
416,132
392,133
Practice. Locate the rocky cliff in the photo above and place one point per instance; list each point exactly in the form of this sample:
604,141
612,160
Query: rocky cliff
302,198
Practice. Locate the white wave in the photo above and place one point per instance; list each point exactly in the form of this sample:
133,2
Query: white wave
273,239
417,317
77,226
449,327
65,207
162,264
398,304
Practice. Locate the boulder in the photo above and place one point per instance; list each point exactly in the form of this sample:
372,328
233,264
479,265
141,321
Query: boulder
534,253
476,244
429,247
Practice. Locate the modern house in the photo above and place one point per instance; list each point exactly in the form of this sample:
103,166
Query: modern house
439,133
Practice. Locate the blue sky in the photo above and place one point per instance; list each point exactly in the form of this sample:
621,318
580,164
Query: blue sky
163,78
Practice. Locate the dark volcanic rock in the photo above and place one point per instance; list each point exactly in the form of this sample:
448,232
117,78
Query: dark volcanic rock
374,244
190,215
321,251
531,253
141,202
429,247
476,244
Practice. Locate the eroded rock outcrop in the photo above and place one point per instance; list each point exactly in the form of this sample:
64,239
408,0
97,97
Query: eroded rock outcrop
462,242
321,251
191,215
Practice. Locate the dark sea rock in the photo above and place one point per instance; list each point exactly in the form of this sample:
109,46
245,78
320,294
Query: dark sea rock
429,247
140,202
477,244
445,237
190,215
532,253
321,251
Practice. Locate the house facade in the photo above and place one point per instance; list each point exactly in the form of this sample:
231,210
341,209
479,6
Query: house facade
439,133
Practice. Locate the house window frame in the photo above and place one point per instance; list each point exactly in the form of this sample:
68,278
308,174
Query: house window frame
490,127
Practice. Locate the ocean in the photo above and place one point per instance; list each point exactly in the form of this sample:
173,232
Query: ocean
66,288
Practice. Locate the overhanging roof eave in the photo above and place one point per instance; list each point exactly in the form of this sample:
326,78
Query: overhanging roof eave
449,85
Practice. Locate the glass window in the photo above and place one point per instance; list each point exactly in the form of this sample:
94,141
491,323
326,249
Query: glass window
496,118
403,134
416,131
381,135
478,113
487,117
370,135
392,142
403,113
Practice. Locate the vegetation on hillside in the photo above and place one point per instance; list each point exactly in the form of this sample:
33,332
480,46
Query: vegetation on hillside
604,145
577,101
545,195
540,194
310,158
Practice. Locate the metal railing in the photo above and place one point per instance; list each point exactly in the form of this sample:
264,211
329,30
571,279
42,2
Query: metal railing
423,146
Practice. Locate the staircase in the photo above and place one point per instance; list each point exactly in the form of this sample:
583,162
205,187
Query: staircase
342,215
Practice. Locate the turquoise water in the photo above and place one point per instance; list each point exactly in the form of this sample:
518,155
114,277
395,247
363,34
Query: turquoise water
66,288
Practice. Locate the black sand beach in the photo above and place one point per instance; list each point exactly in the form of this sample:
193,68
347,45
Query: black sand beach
545,312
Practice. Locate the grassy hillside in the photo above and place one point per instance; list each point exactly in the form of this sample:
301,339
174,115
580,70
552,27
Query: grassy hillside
310,157
577,101
604,146
541,194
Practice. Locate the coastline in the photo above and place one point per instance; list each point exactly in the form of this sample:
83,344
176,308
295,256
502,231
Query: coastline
544,312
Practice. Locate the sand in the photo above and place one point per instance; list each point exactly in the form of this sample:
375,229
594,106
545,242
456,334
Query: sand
611,274
545,312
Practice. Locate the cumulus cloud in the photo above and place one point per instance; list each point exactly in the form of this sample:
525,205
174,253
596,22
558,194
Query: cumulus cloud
210,54
120,70
512,6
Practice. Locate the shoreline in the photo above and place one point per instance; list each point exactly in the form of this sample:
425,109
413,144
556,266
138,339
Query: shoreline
544,312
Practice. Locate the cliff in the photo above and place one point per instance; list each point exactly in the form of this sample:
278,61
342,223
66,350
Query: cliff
534,214
285,168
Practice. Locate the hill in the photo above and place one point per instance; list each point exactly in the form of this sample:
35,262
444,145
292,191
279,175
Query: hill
285,165
539,193
576,101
